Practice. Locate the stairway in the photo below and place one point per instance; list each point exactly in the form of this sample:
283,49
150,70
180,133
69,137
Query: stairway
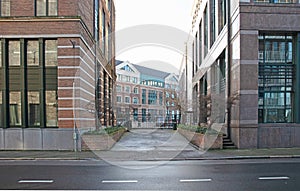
227,143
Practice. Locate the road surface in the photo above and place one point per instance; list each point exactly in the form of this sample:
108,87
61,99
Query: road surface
233,175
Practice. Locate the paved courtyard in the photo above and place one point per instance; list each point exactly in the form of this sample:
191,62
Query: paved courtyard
151,144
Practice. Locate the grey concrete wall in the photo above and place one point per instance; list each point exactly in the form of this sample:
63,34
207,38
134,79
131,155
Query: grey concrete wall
278,135
33,139
36,139
58,139
13,139
1,140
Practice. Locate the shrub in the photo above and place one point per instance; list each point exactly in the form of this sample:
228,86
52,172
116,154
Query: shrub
198,129
107,130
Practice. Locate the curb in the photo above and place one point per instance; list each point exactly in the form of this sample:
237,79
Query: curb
215,158
163,159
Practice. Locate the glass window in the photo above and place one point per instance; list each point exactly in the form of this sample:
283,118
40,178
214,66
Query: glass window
127,99
134,80
135,100
143,96
119,99
15,108
276,76
4,7
34,108
46,7
212,22
144,115
40,7
152,97
205,31
119,88
96,20
52,6
51,52
119,77
51,108
14,53
136,90
127,89
103,31
160,98
33,53
135,114
222,14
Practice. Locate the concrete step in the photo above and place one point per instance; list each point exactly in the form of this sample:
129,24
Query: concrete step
227,143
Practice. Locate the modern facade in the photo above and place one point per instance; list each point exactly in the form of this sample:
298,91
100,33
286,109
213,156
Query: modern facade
146,97
246,73
57,71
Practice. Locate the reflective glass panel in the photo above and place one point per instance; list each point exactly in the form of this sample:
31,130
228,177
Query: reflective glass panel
34,108
51,53
51,108
15,107
14,53
32,53
5,8
40,7
52,7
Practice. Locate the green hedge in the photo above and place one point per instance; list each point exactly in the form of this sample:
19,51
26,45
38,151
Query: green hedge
198,129
107,130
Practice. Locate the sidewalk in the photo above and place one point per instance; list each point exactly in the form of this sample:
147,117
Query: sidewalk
229,154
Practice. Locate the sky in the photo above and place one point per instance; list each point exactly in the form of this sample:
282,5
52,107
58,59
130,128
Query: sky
171,18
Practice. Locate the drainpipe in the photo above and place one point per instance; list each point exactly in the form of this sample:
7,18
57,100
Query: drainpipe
228,67
186,83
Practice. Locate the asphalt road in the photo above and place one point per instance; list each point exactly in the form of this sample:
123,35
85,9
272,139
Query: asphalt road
272,174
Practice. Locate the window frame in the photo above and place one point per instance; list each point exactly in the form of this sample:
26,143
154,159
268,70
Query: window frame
6,1
276,77
47,9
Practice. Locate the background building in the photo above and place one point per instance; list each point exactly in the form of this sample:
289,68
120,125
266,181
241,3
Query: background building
146,96
246,73
57,71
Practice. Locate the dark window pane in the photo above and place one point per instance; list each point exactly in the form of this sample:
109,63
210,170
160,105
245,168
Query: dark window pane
34,108
15,108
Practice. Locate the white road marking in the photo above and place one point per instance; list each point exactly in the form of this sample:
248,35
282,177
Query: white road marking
36,181
274,178
119,181
196,180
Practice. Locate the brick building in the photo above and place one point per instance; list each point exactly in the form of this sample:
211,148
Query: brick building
57,71
145,96
246,54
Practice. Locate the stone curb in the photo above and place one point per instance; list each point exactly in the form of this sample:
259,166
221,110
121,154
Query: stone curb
166,159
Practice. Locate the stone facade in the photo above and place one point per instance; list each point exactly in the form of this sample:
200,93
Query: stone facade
238,45
82,58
